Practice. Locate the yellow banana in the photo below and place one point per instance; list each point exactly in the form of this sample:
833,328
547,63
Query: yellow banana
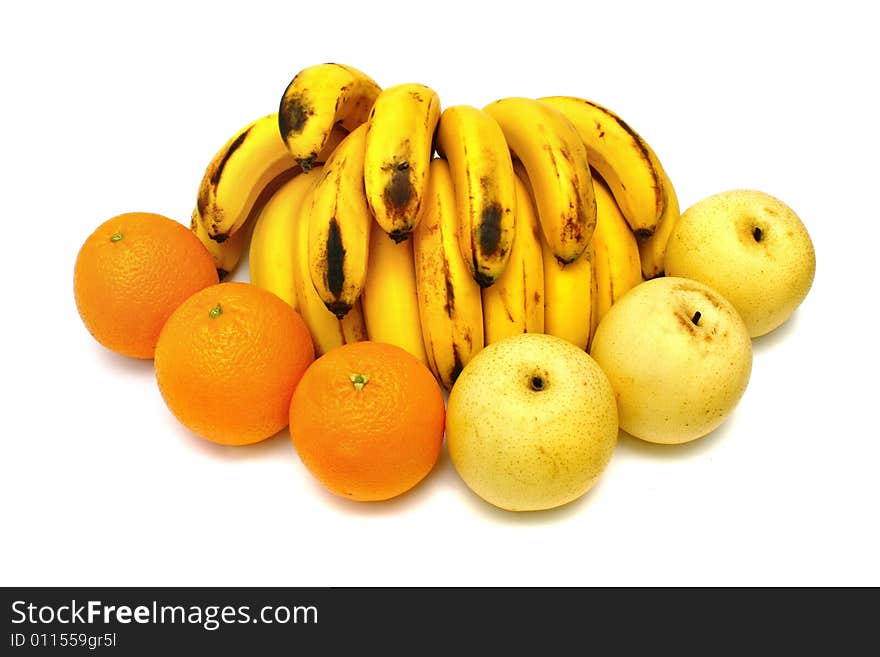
238,173
515,302
652,249
227,254
398,153
390,299
271,257
339,226
569,290
621,157
616,261
482,176
569,295
556,160
319,98
450,305
327,331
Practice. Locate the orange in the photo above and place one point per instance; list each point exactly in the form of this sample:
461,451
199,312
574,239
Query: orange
367,420
131,273
228,360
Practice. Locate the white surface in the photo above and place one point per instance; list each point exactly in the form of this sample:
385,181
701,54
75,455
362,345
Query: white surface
111,108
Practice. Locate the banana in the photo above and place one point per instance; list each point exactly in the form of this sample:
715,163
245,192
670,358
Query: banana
556,160
339,226
318,99
398,153
327,331
279,263
390,298
515,302
623,159
652,249
569,295
236,175
482,177
227,254
449,300
569,290
616,261
271,259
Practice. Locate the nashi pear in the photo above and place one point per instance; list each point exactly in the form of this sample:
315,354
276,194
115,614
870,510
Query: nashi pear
751,248
531,422
678,357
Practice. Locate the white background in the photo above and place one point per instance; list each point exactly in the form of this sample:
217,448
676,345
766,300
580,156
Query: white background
119,107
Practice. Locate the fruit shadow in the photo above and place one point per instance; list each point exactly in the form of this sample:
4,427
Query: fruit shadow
769,341
277,446
628,444
123,365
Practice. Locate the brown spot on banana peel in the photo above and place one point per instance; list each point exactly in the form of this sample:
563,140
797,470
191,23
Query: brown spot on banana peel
204,197
449,304
398,194
294,113
335,254
482,279
490,229
457,365
234,146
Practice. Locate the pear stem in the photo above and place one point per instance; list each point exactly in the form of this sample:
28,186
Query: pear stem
696,318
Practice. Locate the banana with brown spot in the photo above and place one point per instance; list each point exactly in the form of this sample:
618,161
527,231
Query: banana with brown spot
237,174
227,254
652,249
556,160
616,261
318,99
515,302
327,330
624,160
482,177
569,290
398,154
450,305
339,227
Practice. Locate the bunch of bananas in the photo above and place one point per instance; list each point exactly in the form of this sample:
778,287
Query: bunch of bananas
535,215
